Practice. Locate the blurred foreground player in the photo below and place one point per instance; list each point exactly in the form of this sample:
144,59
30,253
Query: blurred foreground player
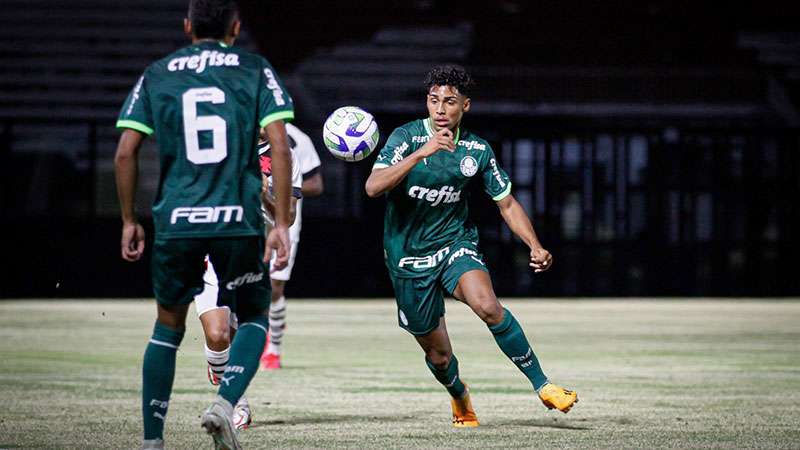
219,323
205,103
308,163
431,246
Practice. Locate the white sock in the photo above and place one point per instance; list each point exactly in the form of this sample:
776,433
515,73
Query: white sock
218,360
277,322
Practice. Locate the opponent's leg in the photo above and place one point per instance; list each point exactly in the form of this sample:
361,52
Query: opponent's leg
217,333
475,289
215,321
271,358
443,364
158,370
239,259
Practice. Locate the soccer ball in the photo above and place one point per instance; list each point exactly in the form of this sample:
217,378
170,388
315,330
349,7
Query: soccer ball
350,133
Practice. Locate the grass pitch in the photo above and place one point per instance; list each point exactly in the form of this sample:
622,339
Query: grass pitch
678,374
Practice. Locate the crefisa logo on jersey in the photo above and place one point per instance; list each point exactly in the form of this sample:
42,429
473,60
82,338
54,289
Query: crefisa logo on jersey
470,145
496,173
398,153
469,166
206,58
445,194
272,85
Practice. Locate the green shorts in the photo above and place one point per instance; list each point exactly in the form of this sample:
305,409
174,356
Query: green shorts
420,300
178,266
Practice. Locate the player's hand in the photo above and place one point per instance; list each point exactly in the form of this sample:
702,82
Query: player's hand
541,259
278,240
132,243
442,140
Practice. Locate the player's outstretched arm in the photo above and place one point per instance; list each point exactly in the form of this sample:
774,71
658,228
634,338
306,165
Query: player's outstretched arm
519,222
383,180
126,171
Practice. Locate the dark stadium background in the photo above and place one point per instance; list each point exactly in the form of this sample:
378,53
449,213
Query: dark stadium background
655,143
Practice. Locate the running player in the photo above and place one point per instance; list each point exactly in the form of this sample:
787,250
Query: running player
219,324
205,103
308,163
431,246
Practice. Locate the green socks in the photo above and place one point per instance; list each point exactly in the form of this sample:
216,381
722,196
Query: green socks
449,377
158,372
512,341
243,363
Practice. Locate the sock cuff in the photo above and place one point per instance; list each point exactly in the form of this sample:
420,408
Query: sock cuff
505,324
260,321
215,354
169,335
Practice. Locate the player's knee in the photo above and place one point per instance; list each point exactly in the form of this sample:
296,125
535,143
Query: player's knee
218,337
439,358
489,309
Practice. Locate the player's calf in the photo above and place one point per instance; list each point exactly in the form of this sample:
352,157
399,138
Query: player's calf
158,373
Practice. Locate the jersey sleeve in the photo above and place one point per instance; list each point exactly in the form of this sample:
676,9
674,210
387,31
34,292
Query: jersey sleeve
307,157
274,101
496,182
394,151
136,113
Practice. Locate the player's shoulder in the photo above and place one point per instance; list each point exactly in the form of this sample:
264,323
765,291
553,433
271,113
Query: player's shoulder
251,58
414,127
409,130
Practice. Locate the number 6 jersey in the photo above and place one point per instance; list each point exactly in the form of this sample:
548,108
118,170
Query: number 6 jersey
205,103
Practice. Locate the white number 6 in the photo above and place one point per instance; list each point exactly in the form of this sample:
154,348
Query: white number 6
194,124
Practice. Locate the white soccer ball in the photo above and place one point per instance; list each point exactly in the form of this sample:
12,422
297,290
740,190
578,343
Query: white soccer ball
350,133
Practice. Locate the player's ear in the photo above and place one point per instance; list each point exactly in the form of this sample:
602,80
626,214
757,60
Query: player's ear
187,27
466,104
236,27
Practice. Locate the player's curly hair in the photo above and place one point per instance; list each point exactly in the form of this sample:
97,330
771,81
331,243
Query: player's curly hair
211,18
450,75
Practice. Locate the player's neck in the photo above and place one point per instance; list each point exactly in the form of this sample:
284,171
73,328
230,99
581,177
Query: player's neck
225,42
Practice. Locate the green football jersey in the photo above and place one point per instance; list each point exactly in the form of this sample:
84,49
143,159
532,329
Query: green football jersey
204,103
427,212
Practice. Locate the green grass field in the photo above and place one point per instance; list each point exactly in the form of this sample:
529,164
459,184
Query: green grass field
678,374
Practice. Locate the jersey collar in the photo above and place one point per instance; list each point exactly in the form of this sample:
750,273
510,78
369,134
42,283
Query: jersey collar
429,129
212,42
